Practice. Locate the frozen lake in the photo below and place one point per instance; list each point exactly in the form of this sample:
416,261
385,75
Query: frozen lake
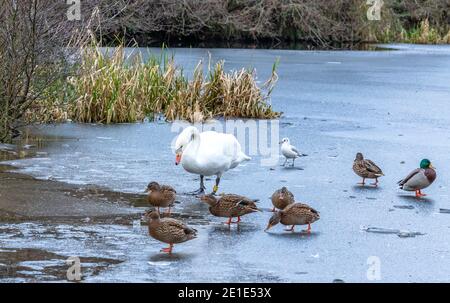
392,105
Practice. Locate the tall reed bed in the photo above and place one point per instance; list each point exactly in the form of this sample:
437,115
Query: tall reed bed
110,87
424,34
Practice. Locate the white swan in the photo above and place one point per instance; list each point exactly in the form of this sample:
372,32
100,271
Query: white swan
208,153
289,151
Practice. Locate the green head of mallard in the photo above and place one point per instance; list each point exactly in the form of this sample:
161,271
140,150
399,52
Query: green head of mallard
425,163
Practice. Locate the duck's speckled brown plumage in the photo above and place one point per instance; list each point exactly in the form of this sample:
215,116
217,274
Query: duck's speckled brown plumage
366,168
282,198
295,214
169,230
229,205
299,214
160,195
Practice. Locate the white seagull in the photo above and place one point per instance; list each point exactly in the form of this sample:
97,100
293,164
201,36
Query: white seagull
208,153
289,151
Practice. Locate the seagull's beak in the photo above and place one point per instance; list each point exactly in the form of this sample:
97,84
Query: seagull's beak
281,142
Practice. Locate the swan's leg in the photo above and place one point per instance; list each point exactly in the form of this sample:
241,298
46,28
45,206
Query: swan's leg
216,187
202,188
202,185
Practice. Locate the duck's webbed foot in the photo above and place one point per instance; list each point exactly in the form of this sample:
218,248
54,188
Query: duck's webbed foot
167,249
290,229
375,184
419,194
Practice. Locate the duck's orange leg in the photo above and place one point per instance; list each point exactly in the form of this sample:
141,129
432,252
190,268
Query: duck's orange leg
363,182
376,182
419,194
229,221
168,212
291,229
168,249
308,230
238,220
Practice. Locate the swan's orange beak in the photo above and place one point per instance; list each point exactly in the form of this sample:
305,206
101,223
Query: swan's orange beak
178,158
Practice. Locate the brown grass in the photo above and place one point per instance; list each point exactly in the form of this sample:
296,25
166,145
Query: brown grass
110,88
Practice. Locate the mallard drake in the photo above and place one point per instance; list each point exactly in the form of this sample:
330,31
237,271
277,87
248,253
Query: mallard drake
282,198
366,169
294,214
289,151
160,195
230,206
419,178
168,230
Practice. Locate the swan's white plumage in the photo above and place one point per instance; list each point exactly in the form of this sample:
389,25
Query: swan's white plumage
209,153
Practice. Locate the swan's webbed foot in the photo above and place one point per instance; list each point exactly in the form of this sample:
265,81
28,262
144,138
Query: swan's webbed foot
197,192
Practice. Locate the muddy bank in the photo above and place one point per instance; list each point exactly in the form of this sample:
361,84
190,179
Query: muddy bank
43,223
24,198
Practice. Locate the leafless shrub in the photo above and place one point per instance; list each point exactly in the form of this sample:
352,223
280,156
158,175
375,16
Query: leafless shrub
36,43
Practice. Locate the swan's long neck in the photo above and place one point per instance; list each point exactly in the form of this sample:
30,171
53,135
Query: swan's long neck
194,145
190,153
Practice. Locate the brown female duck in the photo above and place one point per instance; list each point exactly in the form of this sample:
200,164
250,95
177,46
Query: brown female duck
282,198
366,169
295,214
230,206
160,195
168,230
